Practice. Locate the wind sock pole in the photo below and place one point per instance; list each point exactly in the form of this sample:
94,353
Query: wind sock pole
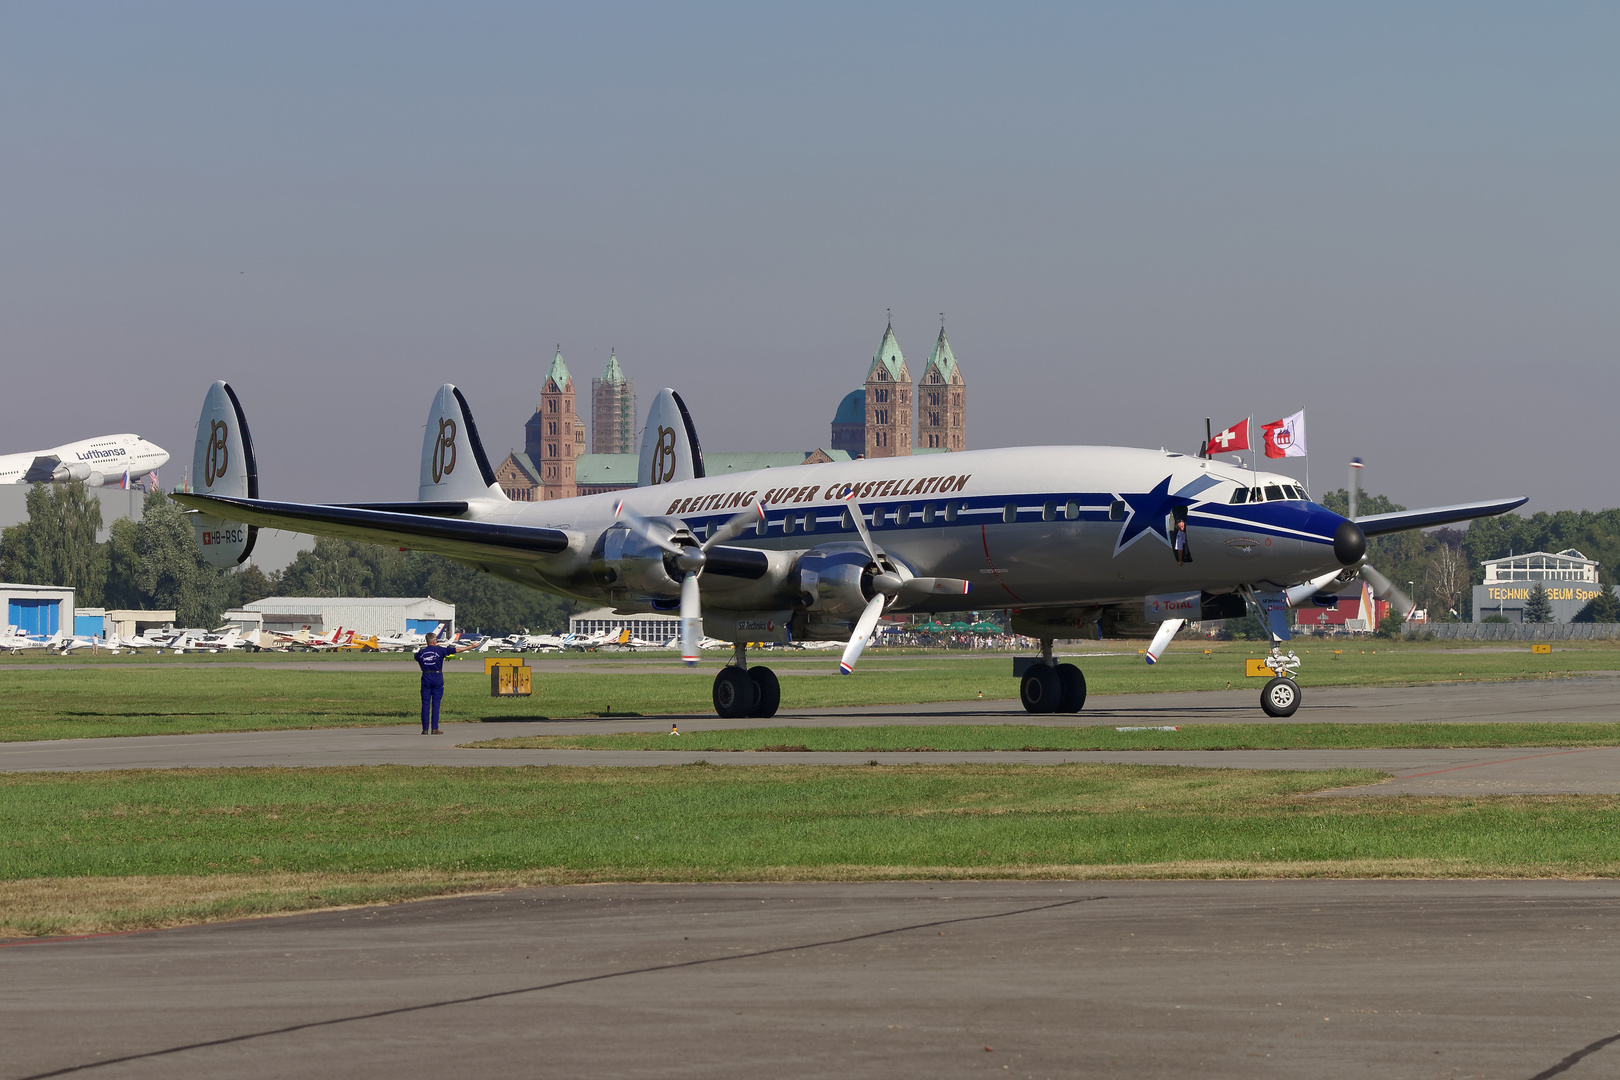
1355,473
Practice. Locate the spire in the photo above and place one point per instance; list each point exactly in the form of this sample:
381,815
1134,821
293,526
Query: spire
889,355
558,372
613,374
942,359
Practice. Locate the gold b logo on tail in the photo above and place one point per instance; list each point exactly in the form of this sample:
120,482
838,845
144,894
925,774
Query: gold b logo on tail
218,454
663,462
444,451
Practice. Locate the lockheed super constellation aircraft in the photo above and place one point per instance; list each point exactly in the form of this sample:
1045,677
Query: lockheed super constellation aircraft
1074,540
98,461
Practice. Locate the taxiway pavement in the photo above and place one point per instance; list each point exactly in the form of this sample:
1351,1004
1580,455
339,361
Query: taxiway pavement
1423,772
899,979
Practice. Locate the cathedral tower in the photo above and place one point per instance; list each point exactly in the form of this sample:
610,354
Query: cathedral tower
942,401
554,436
613,411
888,401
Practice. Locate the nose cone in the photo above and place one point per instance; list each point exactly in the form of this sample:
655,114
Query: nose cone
1349,543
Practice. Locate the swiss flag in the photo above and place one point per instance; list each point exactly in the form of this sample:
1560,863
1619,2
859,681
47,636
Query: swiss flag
1235,437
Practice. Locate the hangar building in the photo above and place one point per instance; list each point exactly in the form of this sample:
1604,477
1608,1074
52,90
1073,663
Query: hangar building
1570,578
364,615
38,609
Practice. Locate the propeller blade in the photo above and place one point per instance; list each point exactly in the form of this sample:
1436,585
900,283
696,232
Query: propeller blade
733,528
691,619
1161,640
915,589
646,529
860,527
1385,589
1298,594
863,630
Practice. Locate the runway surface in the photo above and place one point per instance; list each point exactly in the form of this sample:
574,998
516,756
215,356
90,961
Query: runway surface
1043,979
1445,772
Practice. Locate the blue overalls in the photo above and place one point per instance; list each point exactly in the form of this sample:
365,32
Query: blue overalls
430,658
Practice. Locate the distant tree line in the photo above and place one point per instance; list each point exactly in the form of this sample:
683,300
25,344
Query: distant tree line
154,563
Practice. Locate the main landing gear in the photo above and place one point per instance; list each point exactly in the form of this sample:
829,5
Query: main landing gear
1049,687
741,691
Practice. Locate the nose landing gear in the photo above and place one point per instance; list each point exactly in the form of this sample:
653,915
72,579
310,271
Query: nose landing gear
1281,697
741,691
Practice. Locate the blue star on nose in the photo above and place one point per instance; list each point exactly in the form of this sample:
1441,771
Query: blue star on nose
1147,513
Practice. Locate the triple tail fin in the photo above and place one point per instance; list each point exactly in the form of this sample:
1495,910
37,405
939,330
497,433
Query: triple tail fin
669,444
222,463
454,465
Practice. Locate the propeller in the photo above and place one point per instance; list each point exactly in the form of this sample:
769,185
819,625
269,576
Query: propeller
689,559
886,583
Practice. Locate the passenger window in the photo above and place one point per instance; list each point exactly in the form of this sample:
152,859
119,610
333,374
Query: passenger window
787,524
1071,511
1009,513
1049,512
760,524
810,522
902,515
1116,511
846,522
1274,493
876,520
950,511
928,514
1240,496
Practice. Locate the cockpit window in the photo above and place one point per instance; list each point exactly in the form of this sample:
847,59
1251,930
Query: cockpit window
1241,495
1274,493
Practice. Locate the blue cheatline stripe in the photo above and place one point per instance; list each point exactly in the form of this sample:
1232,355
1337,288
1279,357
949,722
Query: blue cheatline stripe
990,509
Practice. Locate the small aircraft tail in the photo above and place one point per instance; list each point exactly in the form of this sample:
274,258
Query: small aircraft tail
454,465
669,445
222,463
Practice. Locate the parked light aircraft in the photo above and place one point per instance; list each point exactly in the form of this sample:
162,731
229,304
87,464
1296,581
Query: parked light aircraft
1074,540
98,461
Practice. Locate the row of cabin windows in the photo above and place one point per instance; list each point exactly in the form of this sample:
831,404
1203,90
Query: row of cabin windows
928,515
1273,493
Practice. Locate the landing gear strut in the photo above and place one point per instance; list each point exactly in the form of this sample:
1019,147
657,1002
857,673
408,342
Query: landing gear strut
740,690
1048,687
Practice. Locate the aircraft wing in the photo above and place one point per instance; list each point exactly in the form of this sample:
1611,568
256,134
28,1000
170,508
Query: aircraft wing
453,537
1403,520
43,468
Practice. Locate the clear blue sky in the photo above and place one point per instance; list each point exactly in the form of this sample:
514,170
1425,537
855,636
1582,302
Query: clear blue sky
1402,218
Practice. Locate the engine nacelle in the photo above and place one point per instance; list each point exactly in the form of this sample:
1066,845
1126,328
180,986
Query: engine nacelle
70,470
623,560
835,582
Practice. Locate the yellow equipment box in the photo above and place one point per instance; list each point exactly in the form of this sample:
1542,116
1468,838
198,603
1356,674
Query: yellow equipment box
509,678
1256,669
1542,648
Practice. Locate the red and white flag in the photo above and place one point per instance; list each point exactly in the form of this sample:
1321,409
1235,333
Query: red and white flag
1285,437
1235,437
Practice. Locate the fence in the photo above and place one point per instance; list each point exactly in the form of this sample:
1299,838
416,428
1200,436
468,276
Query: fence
1518,631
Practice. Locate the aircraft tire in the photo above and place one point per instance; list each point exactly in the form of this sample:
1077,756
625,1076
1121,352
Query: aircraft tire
1041,690
767,692
1280,697
1073,681
734,694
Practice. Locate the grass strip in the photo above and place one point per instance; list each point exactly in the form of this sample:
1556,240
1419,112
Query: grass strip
977,737
139,698
151,847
